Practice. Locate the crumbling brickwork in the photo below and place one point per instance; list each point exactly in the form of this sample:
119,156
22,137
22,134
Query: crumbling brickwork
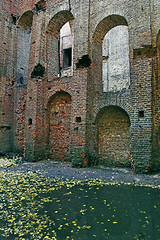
47,110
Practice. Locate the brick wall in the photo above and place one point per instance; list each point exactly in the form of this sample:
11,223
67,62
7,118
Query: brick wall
24,118
113,136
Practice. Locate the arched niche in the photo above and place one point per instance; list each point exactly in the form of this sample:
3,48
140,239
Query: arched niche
113,24
59,121
25,21
113,135
59,29
23,47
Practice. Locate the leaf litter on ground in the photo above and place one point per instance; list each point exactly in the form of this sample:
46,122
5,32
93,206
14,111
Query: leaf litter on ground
35,207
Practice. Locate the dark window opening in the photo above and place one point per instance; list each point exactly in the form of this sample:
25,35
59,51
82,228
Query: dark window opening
30,121
67,57
78,119
141,114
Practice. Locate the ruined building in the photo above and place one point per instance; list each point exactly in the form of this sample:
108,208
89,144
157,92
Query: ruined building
81,76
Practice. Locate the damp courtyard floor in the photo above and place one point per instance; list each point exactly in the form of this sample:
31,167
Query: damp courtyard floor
52,200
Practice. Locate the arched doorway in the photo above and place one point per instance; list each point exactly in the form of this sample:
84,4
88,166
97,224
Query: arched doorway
59,125
113,135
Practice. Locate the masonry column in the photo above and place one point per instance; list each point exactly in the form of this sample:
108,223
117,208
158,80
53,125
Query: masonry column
81,63
141,120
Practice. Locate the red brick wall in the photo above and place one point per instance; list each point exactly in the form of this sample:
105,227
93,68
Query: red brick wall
59,126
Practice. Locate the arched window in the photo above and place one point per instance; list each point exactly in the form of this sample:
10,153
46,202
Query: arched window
110,54
115,51
66,47
23,47
60,45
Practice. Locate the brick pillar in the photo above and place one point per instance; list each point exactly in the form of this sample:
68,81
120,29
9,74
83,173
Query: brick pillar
78,129
141,115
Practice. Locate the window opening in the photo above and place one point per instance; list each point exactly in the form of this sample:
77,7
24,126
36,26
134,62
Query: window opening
67,57
65,46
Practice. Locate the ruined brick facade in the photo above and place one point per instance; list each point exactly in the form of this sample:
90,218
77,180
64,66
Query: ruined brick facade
50,108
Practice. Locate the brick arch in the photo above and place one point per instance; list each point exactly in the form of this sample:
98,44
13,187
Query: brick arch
58,20
58,125
113,136
124,106
56,94
25,21
107,24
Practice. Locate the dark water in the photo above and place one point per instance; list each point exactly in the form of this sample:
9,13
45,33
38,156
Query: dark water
79,210
112,212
